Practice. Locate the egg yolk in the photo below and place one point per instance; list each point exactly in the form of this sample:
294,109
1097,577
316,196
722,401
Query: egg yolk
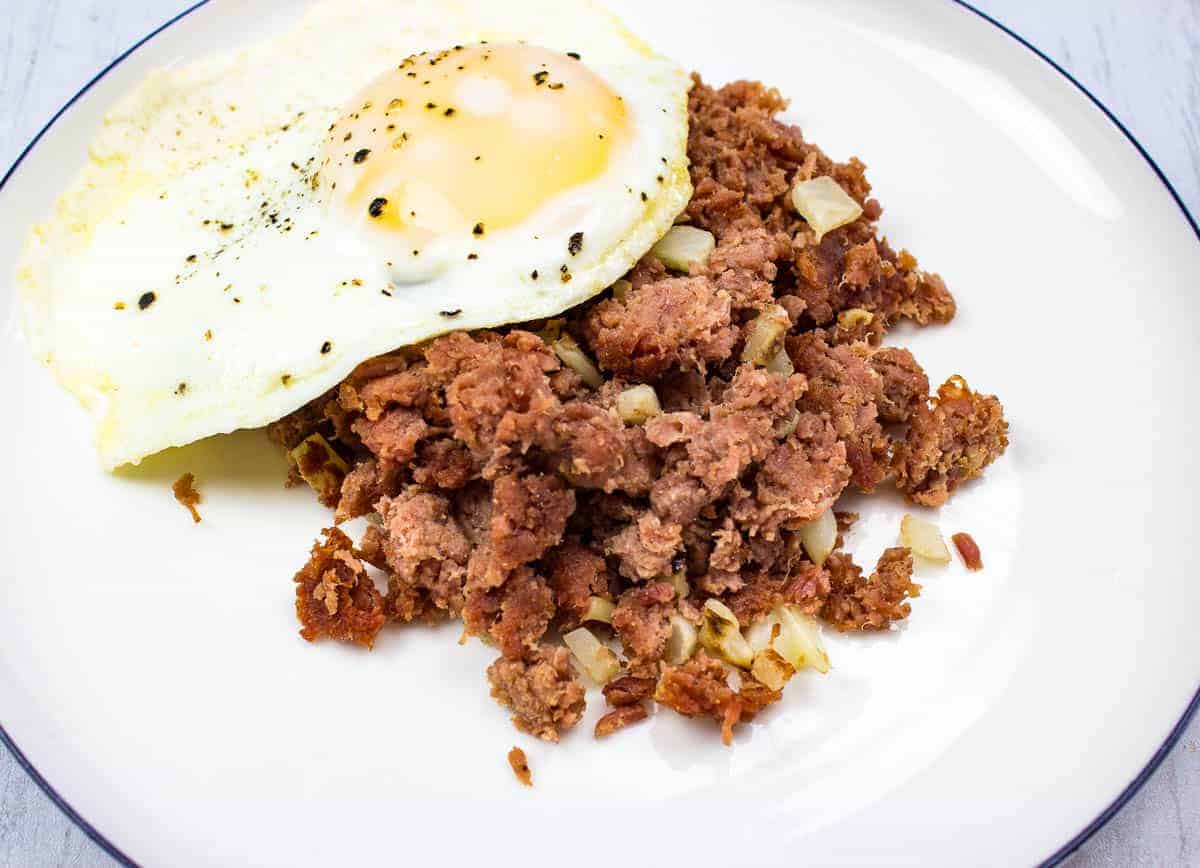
471,140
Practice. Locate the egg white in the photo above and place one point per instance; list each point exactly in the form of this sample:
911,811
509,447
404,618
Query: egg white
199,189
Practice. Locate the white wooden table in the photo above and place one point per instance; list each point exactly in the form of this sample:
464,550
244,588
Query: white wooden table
1140,57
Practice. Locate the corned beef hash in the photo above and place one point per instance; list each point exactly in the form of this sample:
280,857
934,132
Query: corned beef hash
594,347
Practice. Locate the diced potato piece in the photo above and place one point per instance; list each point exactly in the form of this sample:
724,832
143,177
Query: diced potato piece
684,246
621,288
766,333
573,356
638,403
924,538
771,669
682,643
599,609
592,655
799,640
824,204
319,466
819,537
721,635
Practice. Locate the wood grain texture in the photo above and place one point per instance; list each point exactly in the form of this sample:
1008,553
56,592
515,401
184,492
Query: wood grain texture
1138,56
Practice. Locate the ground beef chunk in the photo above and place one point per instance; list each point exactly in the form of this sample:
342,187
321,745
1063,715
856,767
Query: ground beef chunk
365,484
497,389
744,267
755,696
642,621
526,607
594,449
519,763
700,688
969,550
904,386
844,387
647,548
674,323
394,435
628,690
619,718
335,597
854,604
949,444
575,574
425,548
798,480
541,690
443,464
529,515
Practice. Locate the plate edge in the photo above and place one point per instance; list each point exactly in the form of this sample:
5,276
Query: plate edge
1122,799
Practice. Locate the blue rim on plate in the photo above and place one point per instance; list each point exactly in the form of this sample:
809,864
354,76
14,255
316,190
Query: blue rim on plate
1059,855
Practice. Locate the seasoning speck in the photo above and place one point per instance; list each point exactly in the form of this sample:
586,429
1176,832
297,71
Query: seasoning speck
146,299
449,314
573,54
472,256
575,244
478,230
191,257
181,389
361,154
534,274
185,492
539,78
286,379
375,209
120,305
326,347
449,112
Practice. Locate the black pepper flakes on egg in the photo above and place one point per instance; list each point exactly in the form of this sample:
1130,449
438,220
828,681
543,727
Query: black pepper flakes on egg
450,314
573,54
539,77
326,347
478,229
181,388
430,105
120,305
558,85
644,197
472,256
361,154
191,257
534,274
375,209
286,379
146,299
575,244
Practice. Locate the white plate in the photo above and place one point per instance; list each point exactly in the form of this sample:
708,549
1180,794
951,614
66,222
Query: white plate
150,670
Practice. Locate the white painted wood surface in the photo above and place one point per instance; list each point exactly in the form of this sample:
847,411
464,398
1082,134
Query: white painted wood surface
1140,57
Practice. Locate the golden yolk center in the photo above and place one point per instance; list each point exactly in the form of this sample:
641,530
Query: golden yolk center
470,140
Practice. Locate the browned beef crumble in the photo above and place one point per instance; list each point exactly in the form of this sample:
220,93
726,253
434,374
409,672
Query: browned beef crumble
509,493
518,762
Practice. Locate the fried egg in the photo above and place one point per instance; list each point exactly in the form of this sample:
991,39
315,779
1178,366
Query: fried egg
249,228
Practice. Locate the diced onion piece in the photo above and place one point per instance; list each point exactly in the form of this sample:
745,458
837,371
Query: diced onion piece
781,363
819,537
771,669
824,204
319,466
592,655
551,329
924,539
721,634
799,640
680,583
621,288
759,633
684,246
599,609
787,427
681,644
766,332
577,360
638,403
853,317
